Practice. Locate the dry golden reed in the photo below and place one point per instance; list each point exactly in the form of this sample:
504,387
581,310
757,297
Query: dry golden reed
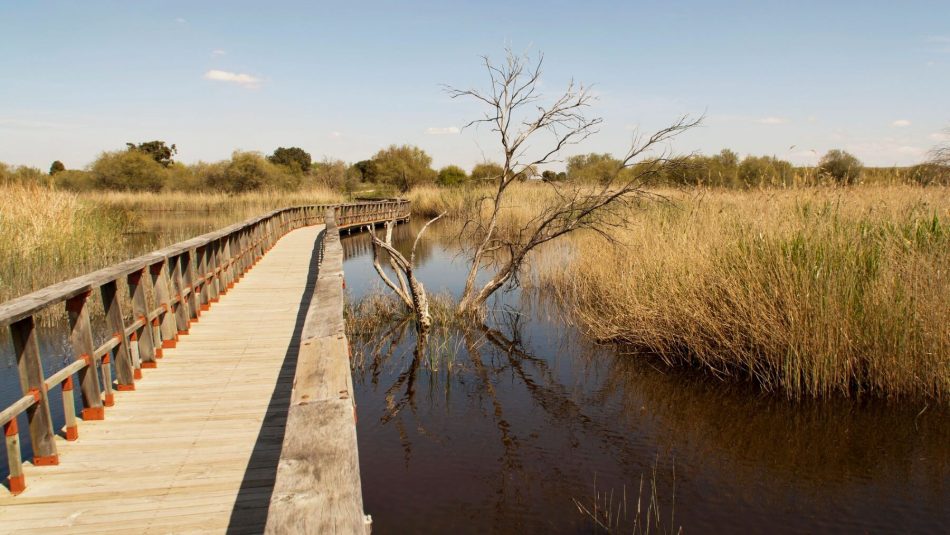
809,292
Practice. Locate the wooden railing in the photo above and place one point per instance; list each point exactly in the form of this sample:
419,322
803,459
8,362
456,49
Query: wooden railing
168,289
317,488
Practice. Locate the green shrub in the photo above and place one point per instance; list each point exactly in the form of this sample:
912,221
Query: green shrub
130,170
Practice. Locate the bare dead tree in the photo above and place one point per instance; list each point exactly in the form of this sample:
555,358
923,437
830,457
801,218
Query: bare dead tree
406,286
523,122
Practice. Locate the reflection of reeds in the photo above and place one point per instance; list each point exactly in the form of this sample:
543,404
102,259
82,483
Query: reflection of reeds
805,292
611,513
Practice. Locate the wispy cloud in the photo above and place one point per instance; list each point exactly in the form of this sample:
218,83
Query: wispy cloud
336,134
772,120
901,123
442,131
245,80
181,20
217,53
940,136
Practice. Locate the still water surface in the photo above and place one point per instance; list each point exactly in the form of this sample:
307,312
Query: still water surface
520,422
508,428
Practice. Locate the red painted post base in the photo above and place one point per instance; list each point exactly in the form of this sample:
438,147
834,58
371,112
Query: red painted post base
205,307
137,373
17,484
183,333
96,413
151,365
158,353
169,344
72,433
125,388
46,460
109,401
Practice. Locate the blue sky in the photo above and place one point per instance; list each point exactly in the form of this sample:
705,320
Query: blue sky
343,80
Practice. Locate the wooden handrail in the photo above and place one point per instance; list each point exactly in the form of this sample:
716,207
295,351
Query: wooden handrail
317,488
168,289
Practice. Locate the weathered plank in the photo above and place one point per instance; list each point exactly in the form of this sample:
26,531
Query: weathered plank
318,487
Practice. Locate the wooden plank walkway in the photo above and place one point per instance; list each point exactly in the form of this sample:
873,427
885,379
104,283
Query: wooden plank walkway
195,447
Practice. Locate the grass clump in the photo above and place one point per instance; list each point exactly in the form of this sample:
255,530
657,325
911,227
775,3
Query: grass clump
808,292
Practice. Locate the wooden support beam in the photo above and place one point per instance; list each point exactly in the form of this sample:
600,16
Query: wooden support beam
30,368
144,342
80,340
115,321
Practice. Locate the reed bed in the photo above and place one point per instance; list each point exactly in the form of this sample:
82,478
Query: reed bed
252,203
810,292
47,236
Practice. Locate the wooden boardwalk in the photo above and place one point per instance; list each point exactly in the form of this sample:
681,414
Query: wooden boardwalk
195,447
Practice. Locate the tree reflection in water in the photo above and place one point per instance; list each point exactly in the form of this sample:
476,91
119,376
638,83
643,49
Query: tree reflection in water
501,426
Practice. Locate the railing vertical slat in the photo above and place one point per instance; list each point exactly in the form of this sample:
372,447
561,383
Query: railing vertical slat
146,346
124,374
80,340
183,312
31,381
162,287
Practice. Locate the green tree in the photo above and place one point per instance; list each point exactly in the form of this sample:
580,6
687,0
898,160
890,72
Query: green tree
293,158
840,166
250,171
451,175
56,167
487,171
157,150
404,166
366,170
592,168
131,170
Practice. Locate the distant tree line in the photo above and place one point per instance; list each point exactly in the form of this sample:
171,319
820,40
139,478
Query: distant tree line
150,166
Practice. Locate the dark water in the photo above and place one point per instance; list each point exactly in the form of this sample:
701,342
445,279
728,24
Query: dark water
514,425
509,428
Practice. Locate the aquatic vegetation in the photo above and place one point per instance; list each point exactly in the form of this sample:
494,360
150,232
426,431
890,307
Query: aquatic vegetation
809,293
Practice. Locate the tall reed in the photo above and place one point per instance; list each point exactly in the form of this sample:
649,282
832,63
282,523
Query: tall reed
808,292
47,236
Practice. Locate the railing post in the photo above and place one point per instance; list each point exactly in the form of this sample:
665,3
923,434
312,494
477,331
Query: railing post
183,312
214,275
125,376
31,381
162,289
228,272
80,339
16,480
197,277
140,311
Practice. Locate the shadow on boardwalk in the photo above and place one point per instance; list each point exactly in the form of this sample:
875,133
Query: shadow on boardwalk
250,508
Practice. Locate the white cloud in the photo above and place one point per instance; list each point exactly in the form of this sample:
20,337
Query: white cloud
812,119
245,80
180,20
217,53
336,134
772,120
441,131
900,123
940,136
